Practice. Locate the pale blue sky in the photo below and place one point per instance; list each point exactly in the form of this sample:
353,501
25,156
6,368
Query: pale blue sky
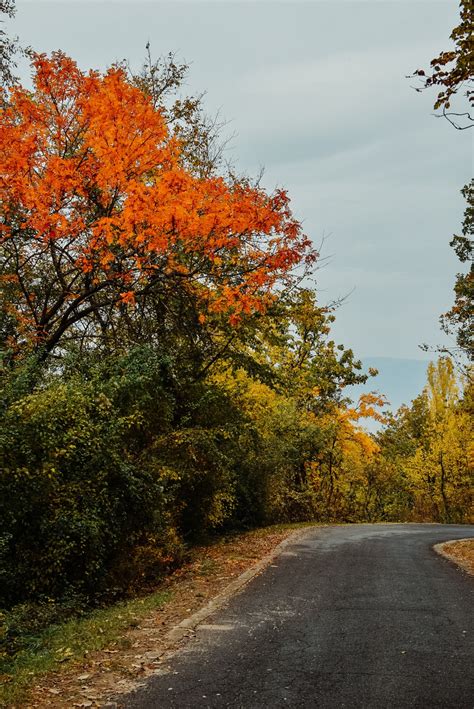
316,93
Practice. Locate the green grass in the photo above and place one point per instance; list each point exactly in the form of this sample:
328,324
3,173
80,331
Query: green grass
61,644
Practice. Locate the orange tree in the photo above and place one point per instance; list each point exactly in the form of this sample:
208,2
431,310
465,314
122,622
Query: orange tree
101,214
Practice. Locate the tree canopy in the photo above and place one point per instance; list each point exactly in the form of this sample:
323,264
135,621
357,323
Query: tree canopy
100,212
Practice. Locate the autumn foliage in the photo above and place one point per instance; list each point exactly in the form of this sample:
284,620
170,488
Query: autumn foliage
166,371
99,210
429,447
452,71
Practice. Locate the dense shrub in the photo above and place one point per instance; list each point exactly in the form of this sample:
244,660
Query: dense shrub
74,491
108,469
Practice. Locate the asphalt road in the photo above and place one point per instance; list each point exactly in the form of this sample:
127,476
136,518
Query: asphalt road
362,616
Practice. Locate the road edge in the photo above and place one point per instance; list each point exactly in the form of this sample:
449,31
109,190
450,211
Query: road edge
189,624
175,638
442,550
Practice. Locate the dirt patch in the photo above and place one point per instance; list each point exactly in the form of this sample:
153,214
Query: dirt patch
100,677
460,551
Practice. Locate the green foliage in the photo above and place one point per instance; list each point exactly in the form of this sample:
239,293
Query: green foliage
39,637
459,320
74,492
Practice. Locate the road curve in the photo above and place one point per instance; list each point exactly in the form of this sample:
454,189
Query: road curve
365,616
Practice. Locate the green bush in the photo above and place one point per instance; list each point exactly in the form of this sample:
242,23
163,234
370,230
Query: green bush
74,492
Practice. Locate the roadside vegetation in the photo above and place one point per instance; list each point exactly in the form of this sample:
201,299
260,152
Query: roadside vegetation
97,654
50,647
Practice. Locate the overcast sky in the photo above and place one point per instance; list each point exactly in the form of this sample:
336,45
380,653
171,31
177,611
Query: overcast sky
316,93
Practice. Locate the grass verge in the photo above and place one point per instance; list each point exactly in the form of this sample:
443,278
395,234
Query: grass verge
73,640
83,661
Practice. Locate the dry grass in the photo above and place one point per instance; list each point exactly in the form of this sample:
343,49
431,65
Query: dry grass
461,552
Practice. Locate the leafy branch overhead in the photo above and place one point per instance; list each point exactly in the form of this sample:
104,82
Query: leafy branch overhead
459,320
8,46
452,71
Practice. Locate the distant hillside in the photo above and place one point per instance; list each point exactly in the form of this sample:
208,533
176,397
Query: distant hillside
401,380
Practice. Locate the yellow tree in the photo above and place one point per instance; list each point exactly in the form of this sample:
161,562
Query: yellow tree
441,470
341,472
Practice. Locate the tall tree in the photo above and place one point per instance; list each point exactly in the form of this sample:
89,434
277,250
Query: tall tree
452,71
431,444
101,212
